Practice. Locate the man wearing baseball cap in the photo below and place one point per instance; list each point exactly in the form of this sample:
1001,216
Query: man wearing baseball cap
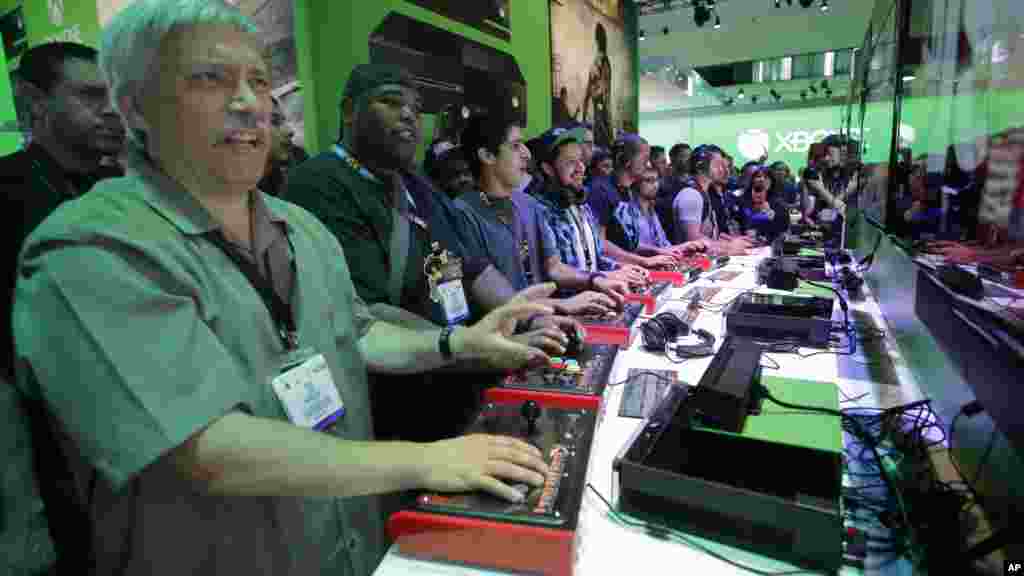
572,250
407,260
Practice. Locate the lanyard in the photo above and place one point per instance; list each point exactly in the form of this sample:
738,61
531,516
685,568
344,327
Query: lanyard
348,159
280,311
577,222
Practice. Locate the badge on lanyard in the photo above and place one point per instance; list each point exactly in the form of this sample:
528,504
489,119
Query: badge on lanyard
444,278
306,390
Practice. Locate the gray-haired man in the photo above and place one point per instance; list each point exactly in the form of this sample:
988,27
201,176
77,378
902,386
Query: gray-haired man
200,348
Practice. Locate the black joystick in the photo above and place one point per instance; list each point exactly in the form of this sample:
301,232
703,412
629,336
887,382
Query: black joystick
574,347
531,412
490,418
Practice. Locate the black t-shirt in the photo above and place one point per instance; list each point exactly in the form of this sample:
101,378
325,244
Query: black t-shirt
667,190
33,186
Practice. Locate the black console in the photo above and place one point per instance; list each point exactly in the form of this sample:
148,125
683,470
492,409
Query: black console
776,499
806,320
727,390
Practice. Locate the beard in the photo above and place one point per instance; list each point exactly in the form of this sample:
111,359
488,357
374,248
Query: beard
375,146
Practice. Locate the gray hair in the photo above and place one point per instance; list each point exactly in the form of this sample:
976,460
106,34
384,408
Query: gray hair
131,44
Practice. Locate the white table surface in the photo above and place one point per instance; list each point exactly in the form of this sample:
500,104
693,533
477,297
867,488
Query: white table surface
607,547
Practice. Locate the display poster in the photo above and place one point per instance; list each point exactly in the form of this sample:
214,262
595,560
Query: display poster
592,67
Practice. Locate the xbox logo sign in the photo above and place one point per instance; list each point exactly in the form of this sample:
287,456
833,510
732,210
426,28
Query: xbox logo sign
753,143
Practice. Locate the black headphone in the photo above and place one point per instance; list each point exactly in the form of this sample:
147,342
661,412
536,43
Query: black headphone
700,158
666,327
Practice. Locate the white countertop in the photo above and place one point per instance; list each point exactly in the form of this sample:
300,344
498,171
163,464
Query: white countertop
607,547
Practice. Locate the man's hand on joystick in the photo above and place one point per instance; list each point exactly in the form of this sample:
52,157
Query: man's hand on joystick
481,462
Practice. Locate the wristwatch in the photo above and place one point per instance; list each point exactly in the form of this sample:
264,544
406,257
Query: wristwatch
444,344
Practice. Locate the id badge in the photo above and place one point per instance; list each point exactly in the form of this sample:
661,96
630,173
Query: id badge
453,300
307,391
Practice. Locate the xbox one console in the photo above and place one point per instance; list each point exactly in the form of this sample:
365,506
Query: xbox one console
803,320
674,473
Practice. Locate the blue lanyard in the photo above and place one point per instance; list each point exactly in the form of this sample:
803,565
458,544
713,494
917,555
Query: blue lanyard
354,164
362,171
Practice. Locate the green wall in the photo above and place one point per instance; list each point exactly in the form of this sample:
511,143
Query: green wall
10,137
332,39
930,124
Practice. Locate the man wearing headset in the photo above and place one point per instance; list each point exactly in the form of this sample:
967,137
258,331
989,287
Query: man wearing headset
572,250
702,210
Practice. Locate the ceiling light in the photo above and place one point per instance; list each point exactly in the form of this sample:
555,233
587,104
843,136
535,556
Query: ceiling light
909,78
741,94
778,3
642,35
824,5
718,22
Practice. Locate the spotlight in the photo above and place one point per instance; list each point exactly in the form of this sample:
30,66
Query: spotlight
824,5
642,35
741,94
701,14
718,22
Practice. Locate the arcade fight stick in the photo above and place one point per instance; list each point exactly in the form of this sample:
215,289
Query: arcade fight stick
537,536
582,371
614,329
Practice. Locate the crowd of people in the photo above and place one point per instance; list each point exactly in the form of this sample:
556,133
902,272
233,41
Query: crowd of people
225,356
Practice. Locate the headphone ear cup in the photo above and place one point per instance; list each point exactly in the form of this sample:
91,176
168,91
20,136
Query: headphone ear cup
654,335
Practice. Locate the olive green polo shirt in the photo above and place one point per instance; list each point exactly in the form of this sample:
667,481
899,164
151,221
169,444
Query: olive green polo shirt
138,332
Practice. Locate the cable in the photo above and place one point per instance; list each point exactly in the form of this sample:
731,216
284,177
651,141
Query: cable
842,301
970,409
865,264
660,531
859,432
853,399
637,374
